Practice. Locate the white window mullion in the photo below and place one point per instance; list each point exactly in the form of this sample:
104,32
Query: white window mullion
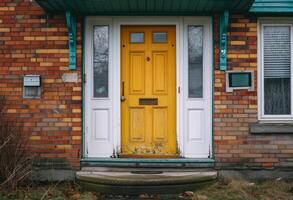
262,72
291,69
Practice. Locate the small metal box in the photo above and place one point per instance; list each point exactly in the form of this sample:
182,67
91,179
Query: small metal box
32,86
32,80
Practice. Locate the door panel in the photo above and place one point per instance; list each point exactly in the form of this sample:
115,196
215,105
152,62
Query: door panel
137,124
195,125
160,72
101,132
148,81
137,72
160,120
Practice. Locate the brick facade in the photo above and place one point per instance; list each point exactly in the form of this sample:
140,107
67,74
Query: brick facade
234,146
32,42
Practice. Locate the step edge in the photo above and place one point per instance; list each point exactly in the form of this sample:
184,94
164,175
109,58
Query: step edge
106,180
148,160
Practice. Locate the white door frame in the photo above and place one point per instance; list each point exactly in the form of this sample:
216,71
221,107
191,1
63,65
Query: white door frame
114,125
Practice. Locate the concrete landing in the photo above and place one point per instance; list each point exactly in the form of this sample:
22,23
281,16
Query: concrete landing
138,182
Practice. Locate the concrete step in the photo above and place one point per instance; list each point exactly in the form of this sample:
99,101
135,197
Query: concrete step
138,181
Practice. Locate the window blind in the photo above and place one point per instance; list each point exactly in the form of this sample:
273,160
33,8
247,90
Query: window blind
277,51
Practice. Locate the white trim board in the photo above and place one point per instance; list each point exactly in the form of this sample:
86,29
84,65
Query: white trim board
190,147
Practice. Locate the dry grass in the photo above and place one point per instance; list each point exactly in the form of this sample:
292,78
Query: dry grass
233,190
50,191
243,190
15,161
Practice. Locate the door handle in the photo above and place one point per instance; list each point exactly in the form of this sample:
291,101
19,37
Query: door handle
122,98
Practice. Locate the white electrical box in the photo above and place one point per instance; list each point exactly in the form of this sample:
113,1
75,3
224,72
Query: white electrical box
32,80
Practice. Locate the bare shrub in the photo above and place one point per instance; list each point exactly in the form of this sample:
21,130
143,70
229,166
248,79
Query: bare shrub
15,162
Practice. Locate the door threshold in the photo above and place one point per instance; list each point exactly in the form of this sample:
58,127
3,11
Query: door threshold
150,156
148,162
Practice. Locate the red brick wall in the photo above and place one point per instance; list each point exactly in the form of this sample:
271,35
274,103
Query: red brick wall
233,112
33,43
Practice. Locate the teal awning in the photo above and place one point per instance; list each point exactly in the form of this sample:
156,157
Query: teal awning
144,7
272,6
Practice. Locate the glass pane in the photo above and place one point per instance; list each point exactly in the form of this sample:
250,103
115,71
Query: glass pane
277,64
101,61
159,37
31,92
277,96
239,79
195,61
136,37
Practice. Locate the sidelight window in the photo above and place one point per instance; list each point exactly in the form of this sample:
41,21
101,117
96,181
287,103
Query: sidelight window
101,61
195,61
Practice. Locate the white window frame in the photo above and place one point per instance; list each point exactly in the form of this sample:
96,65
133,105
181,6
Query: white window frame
272,22
110,145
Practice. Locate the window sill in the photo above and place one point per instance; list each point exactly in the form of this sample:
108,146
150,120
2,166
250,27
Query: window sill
260,128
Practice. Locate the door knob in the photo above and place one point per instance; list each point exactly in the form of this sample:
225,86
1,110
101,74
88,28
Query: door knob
148,59
122,98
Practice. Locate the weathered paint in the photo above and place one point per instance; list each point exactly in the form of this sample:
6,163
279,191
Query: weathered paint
149,74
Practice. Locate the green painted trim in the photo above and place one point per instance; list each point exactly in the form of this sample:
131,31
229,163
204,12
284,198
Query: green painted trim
272,6
224,22
144,7
83,28
148,163
71,27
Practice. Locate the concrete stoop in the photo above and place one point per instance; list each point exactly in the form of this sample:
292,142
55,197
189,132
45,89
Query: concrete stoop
138,182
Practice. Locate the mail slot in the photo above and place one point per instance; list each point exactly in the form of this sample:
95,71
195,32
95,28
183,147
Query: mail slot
148,101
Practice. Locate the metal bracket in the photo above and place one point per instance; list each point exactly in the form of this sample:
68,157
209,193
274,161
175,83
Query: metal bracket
224,22
71,27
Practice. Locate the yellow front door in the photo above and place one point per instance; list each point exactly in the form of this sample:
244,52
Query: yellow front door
148,91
